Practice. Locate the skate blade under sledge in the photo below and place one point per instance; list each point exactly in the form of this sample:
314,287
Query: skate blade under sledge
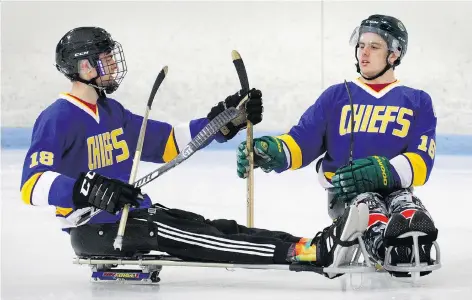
111,272
144,276
148,267
416,267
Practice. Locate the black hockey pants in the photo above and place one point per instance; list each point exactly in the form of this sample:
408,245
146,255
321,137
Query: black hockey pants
185,235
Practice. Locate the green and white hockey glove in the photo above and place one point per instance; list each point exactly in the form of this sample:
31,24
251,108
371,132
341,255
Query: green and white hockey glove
371,174
269,155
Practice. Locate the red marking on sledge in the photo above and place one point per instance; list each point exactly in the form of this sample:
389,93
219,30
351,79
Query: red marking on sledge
408,213
374,218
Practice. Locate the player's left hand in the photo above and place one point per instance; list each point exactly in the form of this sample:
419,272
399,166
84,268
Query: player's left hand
371,174
251,110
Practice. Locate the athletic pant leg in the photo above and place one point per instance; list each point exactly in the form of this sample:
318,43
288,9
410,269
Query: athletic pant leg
232,227
190,236
98,239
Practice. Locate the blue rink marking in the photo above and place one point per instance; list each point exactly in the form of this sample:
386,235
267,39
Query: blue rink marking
447,144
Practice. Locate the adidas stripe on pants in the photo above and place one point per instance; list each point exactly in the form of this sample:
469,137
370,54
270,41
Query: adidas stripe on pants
190,236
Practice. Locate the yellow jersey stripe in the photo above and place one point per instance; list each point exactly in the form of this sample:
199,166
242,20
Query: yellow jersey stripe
28,187
170,151
295,151
329,175
419,168
61,211
82,106
374,91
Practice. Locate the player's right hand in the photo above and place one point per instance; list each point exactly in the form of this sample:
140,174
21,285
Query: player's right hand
111,195
370,174
251,108
269,155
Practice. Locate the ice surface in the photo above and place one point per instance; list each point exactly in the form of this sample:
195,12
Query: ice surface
37,258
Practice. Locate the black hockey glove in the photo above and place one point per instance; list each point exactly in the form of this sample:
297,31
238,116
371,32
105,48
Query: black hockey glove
92,189
250,110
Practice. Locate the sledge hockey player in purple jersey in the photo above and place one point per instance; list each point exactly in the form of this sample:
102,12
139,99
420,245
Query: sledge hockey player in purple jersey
81,155
392,132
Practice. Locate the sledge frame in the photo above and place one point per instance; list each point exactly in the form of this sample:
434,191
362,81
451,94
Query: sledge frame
151,265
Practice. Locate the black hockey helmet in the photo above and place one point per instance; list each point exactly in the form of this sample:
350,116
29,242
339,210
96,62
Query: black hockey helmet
88,43
392,31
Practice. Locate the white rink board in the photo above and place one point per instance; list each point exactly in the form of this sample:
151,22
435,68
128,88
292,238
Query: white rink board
293,50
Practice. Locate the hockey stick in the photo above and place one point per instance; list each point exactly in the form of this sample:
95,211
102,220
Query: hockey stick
351,141
242,75
200,139
137,156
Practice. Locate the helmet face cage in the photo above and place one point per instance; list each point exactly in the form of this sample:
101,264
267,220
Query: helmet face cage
111,68
393,44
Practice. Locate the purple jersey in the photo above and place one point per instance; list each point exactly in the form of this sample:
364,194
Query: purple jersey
68,138
397,122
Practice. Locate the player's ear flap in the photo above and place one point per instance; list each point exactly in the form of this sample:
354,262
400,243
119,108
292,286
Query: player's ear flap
85,68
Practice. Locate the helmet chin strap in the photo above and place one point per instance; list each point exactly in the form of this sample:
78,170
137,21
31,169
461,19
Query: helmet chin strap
93,83
110,88
388,66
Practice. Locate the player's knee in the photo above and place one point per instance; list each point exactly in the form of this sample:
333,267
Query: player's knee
226,226
373,201
403,199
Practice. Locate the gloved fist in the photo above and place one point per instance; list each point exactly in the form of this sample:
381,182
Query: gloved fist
371,174
92,189
268,155
254,107
250,109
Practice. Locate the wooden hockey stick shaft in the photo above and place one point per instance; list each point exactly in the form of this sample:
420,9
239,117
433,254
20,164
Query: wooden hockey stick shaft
243,79
250,177
137,156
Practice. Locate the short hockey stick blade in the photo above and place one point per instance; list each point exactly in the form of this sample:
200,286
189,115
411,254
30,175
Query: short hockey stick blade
241,70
